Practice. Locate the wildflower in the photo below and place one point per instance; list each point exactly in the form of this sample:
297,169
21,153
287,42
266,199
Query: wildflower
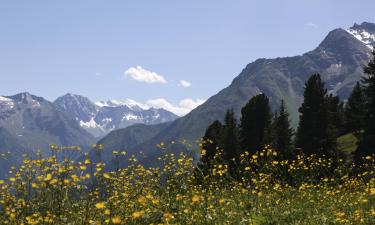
195,199
168,216
83,167
116,220
106,175
137,214
48,177
100,205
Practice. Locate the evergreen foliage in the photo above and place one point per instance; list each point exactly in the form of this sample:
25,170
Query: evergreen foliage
212,142
355,111
283,133
231,142
316,132
255,124
367,143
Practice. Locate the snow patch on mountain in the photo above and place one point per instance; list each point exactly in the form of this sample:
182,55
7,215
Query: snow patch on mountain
363,35
126,102
6,102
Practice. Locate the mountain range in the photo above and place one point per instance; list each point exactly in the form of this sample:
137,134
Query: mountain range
339,59
28,122
105,116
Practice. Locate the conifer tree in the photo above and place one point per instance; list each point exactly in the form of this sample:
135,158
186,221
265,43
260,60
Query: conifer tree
336,115
314,134
255,124
355,111
283,133
212,142
231,144
367,143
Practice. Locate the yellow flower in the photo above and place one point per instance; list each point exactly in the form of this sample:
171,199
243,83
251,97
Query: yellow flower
142,200
116,220
195,199
48,177
1,182
372,191
204,152
83,167
137,214
168,216
100,205
106,175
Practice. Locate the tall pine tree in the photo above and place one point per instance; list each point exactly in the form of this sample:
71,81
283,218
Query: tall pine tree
367,143
231,144
355,111
283,133
255,124
314,134
336,114
212,142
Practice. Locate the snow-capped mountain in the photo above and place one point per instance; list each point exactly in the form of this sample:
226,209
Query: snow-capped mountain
364,32
102,117
127,102
34,123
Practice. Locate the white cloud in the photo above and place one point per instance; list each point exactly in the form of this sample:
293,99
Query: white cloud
183,108
184,83
311,26
142,75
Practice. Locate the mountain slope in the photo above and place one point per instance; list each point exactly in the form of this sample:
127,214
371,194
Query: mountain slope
339,59
30,123
103,117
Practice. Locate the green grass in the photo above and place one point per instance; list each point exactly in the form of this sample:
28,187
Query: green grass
347,143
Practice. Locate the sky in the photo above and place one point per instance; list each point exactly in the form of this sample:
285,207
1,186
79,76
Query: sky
165,53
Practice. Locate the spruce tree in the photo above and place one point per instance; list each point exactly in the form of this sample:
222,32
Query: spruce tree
231,144
212,142
367,143
255,124
314,134
283,133
336,115
355,111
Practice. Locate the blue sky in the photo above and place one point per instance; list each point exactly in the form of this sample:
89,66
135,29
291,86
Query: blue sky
50,48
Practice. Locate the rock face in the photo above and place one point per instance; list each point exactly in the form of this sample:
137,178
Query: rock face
103,117
339,59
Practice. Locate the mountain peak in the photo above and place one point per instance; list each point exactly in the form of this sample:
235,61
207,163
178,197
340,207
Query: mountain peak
364,26
364,32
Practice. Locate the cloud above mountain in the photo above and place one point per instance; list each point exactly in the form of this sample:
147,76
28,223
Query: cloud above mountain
184,83
183,107
142,75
